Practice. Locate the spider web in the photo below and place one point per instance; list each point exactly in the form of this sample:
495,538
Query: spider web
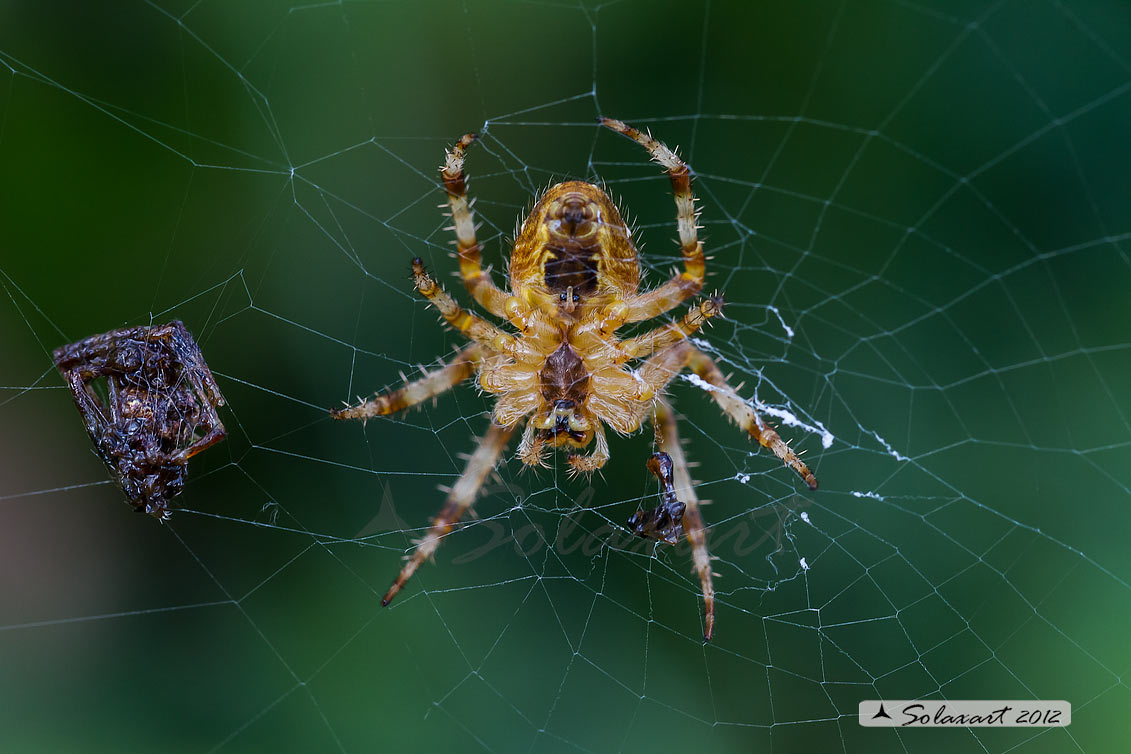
918,214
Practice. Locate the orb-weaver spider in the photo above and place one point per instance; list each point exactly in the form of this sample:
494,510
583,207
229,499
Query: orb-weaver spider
574,280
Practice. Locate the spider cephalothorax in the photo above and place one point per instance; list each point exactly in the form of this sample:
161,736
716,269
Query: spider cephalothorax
574,281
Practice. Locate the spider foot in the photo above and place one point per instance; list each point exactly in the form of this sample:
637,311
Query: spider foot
452,169
770,439
715,304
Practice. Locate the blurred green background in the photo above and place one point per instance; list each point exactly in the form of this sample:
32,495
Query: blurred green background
919,213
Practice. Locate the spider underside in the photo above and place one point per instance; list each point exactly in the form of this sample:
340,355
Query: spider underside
564,375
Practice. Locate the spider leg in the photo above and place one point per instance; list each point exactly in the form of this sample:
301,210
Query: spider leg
689,282
665,365
745,416
455,371
667,439
477,281
459,500
579,464
667,335
471,325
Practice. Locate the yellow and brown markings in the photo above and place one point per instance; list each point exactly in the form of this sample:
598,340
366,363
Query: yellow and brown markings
575,237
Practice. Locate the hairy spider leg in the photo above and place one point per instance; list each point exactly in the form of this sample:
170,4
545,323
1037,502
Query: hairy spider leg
665,365
745,416
687,283
456,370
475,278
460,497
668,335
594,338
471,325
667,440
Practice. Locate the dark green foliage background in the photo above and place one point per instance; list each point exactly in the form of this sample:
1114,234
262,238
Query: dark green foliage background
934,196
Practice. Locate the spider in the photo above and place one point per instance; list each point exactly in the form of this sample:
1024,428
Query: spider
562,374
159,394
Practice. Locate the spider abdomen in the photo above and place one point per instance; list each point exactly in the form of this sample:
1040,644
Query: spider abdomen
573,244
